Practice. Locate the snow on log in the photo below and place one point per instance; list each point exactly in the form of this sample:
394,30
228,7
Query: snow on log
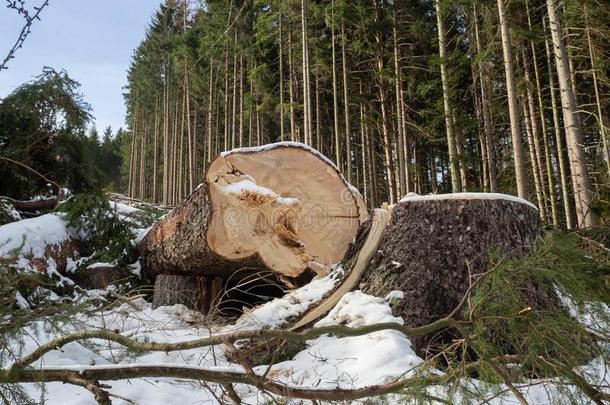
433,243
282,207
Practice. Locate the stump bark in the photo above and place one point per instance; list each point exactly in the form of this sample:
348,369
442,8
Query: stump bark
196,293
434,244
282,208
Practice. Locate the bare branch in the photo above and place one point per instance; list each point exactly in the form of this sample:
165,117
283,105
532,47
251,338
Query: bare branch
19,6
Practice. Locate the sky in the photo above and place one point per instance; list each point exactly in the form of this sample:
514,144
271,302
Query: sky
93,40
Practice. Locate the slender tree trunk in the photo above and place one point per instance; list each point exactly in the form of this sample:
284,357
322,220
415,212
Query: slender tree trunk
281,68
155,151
306,83
227,145
461,153
400,122
241,99
348,143
385,125
485,110
580,176
545,134
363,145
449,127
291,89
335,91
189,134
210,125
234,103
559,142
598,104
318,117
512,101
535,172
166,164
535,141
133,158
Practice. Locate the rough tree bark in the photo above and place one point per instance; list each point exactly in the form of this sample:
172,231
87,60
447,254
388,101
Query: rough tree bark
198,293
432,246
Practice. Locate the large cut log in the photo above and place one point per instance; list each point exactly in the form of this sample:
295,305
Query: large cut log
283,208
434,243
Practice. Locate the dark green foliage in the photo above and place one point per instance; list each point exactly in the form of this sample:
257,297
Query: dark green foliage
108,237
42,125
545,337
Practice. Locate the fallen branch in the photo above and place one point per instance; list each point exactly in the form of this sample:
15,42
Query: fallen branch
31,170
339,330
33,205
122,372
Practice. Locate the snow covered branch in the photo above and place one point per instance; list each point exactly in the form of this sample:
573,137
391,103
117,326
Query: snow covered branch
340,330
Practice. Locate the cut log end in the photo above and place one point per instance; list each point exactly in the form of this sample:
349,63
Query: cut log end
282,208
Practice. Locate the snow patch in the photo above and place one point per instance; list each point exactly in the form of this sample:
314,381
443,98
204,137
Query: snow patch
30,237
249,186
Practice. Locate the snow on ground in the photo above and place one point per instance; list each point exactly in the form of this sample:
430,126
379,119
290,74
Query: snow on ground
351,362
30,237
280,311
327,362
465,196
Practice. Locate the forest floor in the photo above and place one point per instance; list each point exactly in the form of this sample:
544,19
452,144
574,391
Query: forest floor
326,362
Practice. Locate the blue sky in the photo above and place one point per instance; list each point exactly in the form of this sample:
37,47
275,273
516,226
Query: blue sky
92,39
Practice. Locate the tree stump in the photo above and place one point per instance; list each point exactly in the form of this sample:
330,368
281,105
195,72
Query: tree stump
196,293
434,243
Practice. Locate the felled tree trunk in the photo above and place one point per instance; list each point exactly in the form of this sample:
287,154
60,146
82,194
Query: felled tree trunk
282,208
434,243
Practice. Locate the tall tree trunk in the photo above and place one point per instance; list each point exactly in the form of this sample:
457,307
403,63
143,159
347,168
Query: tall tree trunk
210,126
306,82
363,145
512,101
535,172
241,99
234,103
335,91
454,163
318,117
291,88
189,134
348,143
535,134
399,110
559,142
166,117
598,104
155,151
385,124
580,176
545,135
281,68
485,110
